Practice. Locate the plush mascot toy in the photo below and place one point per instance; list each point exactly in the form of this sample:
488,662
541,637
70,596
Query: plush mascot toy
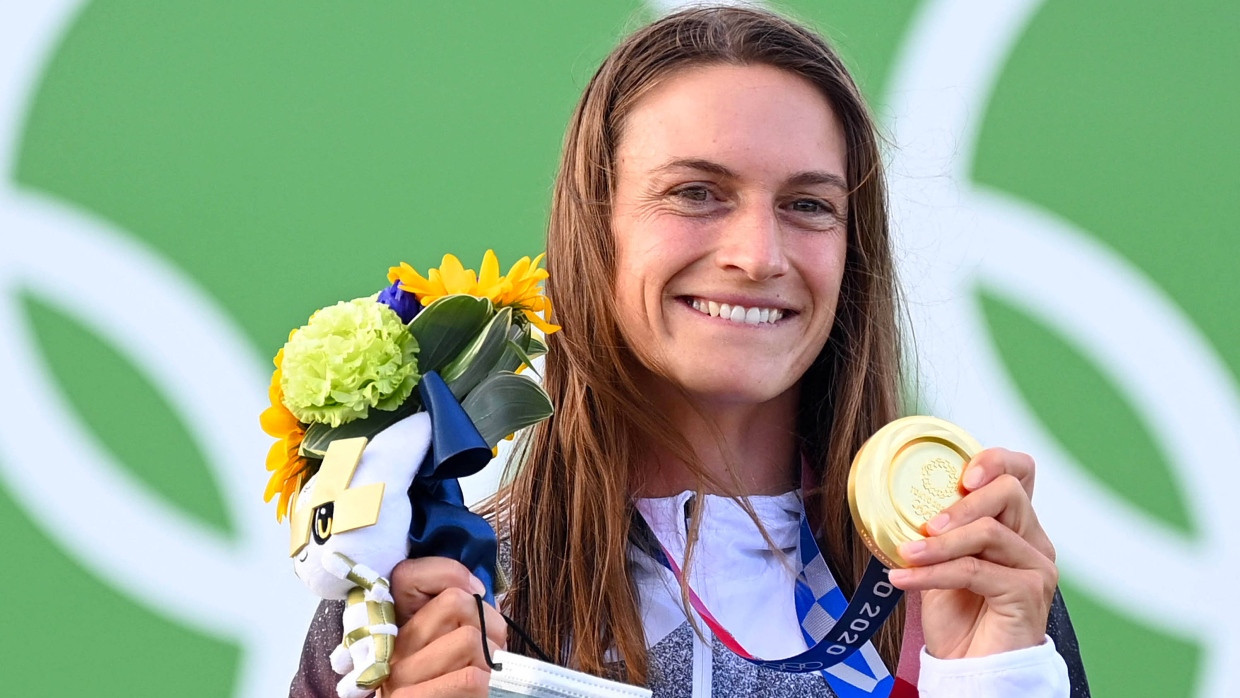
379,405
352,524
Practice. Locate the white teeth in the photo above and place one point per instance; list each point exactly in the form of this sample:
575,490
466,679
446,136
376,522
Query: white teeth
737,313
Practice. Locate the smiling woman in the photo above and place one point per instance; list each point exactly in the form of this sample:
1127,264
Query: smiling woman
720,263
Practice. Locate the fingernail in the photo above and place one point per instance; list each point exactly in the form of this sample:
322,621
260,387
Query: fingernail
972,478
476,586
912,548
897,576
939,522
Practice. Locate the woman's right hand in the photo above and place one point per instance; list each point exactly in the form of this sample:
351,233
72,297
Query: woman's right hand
438,649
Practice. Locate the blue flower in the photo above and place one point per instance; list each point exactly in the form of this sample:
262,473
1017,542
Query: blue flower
404,303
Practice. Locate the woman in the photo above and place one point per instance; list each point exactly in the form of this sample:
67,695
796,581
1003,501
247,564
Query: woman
721,266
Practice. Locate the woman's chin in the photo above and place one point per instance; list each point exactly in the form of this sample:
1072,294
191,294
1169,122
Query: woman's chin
723,391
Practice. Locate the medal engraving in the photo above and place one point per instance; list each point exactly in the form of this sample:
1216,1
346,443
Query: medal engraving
937,491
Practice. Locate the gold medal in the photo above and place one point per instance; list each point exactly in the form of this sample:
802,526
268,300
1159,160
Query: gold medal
902,477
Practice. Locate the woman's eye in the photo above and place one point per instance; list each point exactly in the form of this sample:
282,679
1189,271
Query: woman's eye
694,194
811,206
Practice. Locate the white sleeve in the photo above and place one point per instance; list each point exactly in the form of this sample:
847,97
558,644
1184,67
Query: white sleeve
1034,671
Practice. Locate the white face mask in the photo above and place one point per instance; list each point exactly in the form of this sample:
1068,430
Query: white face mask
524,676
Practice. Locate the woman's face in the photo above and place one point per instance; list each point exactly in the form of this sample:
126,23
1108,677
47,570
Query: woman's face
730,218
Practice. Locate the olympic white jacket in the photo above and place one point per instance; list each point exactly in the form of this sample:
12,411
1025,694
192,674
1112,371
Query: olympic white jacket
749,590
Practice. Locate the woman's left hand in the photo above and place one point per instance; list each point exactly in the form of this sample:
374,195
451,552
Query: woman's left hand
987,569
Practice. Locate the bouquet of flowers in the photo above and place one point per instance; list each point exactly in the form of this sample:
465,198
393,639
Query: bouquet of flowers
378,405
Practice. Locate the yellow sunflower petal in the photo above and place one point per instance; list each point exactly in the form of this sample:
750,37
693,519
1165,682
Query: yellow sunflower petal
406,272
537,261
431,290
456,278
488,273
277,463
540,323
401,272
413,282
425,293
287,493
546,312
282,507
517,272
277,421
288,472
490,284
274,394
518,269
275,483
524,279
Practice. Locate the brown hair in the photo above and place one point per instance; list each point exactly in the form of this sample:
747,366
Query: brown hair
567,509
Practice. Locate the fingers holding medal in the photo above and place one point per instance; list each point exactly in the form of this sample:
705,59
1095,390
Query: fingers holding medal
1000,488
956,523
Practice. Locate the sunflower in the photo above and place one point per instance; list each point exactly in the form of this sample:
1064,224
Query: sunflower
284,460
520,288
451,278
523,291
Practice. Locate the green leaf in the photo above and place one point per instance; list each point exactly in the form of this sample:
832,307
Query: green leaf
504,403
447,326
481,358
536,348
517,354
320,436
514,349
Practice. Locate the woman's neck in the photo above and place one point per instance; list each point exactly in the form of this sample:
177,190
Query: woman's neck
746,449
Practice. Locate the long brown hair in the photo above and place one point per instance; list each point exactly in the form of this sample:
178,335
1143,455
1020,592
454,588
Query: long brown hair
567,508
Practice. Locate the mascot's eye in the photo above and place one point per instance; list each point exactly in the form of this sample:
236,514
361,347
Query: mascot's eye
322,528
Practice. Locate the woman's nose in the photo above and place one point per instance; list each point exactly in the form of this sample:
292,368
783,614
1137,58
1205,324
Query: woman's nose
752,242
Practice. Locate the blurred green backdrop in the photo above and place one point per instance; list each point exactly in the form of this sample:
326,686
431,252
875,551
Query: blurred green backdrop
282,155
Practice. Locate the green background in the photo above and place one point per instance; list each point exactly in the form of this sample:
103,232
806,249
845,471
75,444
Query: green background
284,154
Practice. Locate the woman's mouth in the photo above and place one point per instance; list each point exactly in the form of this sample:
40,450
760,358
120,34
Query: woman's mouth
738,314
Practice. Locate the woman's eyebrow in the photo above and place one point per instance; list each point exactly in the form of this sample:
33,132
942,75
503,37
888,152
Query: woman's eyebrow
696,164
800,179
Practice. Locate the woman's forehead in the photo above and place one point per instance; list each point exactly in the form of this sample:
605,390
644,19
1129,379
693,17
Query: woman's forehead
744,118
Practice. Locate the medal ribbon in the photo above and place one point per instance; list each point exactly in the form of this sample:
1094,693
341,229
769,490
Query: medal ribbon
836,630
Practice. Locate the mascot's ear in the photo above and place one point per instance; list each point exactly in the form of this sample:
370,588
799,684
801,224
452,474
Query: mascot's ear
457,449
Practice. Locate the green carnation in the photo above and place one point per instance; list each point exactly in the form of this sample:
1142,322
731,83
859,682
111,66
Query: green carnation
351,357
